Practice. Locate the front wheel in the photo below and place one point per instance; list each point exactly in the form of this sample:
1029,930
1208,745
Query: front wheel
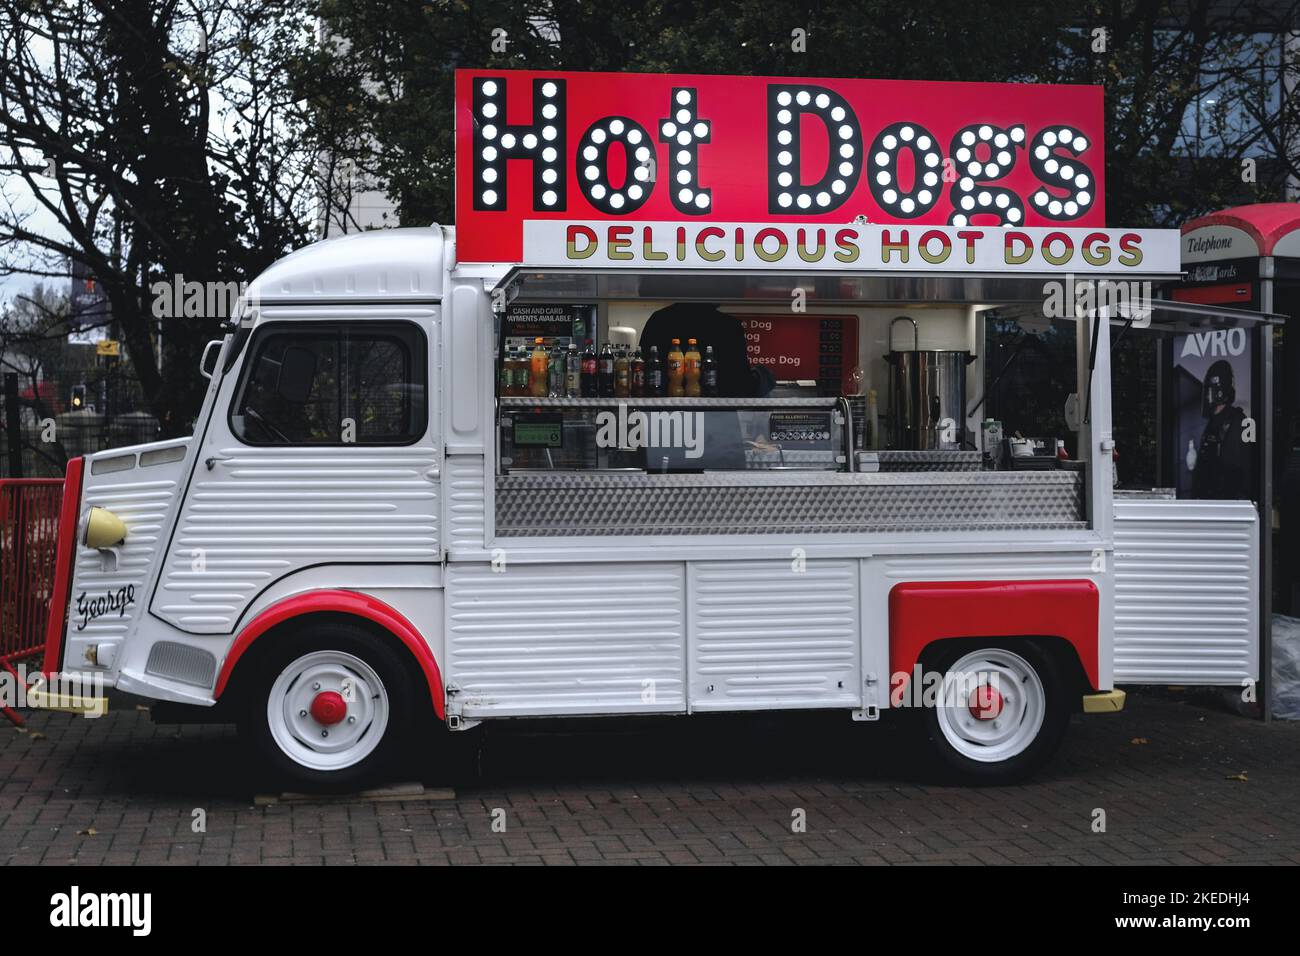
330,707
1001,713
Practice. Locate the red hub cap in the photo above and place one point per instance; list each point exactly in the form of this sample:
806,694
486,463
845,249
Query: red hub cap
328,707
985,702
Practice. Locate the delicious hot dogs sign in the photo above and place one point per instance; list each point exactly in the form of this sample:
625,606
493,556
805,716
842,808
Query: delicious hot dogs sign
812,247
660,148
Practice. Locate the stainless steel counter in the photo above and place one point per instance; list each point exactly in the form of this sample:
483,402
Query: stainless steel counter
932,460
549,504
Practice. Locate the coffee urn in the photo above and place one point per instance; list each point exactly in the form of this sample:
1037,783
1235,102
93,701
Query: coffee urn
927,394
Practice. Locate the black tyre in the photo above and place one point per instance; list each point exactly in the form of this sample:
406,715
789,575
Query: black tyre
330,706
1002,714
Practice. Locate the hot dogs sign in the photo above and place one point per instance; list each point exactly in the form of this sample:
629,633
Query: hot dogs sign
592,147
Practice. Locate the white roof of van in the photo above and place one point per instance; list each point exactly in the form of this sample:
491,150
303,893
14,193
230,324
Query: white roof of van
384,264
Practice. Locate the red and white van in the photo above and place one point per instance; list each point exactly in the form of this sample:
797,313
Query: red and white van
368,536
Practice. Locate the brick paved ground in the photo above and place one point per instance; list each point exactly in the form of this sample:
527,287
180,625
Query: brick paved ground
699,790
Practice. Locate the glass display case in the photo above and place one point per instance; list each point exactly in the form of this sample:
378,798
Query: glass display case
697,456
662,435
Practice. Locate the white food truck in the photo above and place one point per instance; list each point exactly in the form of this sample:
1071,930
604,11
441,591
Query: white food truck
386,526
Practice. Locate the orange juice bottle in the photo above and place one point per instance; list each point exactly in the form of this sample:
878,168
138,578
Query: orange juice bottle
691,367
538,363
676,370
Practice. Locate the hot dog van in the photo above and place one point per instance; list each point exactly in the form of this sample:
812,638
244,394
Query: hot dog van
386,525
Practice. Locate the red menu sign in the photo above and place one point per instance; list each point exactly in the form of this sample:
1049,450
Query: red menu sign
821,347
696,148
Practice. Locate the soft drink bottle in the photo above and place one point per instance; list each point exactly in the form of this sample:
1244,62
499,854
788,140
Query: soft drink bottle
709,374
654,374
555,373
572,372
507,373
605,372
622,375
538,368
589,371
673,377
638,374
518,374
521,372
691,367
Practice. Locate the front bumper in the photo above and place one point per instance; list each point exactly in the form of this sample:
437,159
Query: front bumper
1107,702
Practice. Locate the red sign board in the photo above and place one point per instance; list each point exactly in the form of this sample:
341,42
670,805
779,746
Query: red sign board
821,347
679,147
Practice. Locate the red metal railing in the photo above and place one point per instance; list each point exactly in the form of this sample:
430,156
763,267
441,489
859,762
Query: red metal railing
30,512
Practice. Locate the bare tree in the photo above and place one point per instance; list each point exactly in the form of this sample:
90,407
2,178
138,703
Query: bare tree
1193,87
33,336
1195,100
153,139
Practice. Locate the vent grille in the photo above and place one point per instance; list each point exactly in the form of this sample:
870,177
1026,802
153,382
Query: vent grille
179,662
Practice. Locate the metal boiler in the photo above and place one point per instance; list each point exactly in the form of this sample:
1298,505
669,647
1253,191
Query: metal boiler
927,395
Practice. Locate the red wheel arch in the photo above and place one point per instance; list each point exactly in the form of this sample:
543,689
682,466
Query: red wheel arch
923,612
339,602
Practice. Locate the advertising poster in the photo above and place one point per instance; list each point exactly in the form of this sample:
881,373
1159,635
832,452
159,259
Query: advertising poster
1215,447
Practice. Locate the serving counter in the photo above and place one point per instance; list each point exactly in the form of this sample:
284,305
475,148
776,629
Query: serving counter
573,467
549,504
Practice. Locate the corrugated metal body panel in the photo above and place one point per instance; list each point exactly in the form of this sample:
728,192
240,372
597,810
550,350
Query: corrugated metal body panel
261,513
139,484
142,506
466,505
766,636
990,566
1186,592
566,639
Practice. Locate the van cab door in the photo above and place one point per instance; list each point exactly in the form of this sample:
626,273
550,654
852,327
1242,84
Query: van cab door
322,448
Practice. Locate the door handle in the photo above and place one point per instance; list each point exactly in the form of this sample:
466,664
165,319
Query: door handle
212,461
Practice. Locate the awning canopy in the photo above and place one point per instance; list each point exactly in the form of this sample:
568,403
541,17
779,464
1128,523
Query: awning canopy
1167,317
820,288
1260,229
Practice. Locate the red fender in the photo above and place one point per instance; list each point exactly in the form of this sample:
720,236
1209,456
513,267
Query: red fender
341,602
922,612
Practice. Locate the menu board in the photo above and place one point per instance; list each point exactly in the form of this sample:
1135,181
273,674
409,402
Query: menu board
821,347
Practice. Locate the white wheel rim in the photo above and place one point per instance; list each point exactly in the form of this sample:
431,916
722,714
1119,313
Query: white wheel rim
1010,716
331,744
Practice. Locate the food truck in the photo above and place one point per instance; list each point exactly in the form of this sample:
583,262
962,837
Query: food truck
689,413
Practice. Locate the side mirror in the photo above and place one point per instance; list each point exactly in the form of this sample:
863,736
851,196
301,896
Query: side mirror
297,375
208,363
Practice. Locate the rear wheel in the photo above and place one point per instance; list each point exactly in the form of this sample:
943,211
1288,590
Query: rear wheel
1001,714
330,706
